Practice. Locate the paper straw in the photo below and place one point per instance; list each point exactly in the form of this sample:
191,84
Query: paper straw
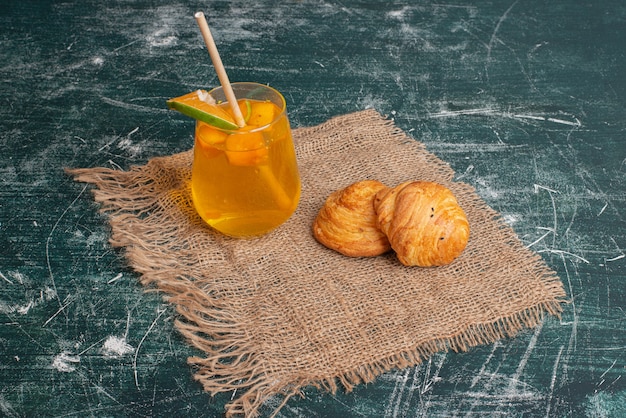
219,68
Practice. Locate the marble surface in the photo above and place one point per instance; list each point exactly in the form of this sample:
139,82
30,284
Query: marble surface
525,99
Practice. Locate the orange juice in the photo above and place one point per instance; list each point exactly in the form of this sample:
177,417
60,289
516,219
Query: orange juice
245,182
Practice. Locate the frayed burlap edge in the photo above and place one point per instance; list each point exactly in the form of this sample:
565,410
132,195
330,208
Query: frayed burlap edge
143,197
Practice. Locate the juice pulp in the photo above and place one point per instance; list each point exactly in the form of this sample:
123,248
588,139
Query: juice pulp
246,182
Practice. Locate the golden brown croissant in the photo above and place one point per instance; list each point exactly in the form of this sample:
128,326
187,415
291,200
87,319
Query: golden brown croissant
423,222
347,221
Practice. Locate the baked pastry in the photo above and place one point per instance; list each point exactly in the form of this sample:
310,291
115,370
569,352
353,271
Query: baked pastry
424,223
347,221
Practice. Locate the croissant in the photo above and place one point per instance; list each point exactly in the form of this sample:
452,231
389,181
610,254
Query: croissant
424,223
347,222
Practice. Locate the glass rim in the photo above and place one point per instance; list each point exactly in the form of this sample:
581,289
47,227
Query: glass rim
277,117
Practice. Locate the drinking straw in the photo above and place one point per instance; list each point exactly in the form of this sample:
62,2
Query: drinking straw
280,196
219,68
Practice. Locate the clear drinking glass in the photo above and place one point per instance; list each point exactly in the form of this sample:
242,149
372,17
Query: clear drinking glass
245,182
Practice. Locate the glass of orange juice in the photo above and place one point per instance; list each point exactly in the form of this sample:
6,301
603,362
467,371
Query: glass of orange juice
245,181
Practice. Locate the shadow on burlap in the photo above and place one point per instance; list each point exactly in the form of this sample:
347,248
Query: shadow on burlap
281,312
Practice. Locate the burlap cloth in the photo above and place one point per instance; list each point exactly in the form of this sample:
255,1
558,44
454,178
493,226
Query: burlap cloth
281,312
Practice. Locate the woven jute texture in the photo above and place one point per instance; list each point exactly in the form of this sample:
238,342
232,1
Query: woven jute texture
281,312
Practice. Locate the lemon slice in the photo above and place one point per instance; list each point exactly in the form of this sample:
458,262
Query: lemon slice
201,106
